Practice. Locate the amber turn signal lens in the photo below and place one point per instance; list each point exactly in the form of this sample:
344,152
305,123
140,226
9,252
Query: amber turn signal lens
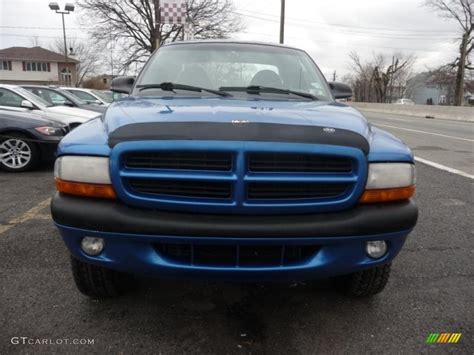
86,190
387,195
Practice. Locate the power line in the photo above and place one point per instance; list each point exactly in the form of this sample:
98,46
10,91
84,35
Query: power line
42,28
366,34
274,18
33,36
356,33
299,20
347,45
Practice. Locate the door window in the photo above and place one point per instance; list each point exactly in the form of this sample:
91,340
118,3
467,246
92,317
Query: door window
9,98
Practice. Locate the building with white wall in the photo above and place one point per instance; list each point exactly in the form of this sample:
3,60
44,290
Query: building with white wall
36,65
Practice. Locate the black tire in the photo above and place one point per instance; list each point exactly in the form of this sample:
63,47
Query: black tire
99,282
35,158
364,283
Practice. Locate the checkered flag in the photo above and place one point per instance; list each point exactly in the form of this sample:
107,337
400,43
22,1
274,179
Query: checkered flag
173,12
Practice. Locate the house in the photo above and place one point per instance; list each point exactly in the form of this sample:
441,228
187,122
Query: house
99,82
36,65
422,91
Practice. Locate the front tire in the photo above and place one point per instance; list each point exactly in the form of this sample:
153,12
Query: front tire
18,153
99,282
364,283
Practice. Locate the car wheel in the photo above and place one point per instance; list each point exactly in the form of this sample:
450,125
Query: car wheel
99,282
364,283
18,153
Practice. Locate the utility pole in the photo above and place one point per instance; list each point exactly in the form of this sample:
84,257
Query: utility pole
459,91
282,22
157,24
389,95
334,76
64,37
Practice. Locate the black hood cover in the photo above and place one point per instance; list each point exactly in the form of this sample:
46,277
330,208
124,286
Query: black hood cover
238,131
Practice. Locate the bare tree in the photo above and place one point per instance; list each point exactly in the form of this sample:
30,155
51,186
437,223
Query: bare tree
89,56
131,23
445,78
377,81
461,11
35,41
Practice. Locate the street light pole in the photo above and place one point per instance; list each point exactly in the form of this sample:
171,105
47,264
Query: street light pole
64,37
282,22
68,8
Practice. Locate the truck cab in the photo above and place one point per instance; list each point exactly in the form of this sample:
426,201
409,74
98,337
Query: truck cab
232,161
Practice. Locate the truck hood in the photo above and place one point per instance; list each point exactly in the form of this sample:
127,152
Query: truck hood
135,110
95,137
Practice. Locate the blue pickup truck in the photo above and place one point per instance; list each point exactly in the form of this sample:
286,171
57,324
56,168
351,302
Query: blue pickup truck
232,161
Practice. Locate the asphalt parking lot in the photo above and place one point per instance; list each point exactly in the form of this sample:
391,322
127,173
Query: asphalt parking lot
431,287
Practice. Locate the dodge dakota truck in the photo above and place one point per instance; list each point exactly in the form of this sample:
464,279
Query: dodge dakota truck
232,161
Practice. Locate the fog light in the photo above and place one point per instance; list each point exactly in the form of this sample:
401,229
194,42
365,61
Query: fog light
376,249
92,245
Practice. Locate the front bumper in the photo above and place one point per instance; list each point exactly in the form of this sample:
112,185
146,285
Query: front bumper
48,145
132,235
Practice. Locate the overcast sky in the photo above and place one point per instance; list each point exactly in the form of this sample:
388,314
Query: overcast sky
328,30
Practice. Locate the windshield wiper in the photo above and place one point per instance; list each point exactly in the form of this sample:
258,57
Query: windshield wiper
167,86
256,90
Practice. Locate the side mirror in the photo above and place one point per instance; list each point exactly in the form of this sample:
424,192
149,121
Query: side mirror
123,84
340,90
97,102
68,103
27,104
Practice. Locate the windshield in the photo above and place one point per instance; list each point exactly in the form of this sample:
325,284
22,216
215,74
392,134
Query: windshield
55,97
71,97
103,96
231,65
38,101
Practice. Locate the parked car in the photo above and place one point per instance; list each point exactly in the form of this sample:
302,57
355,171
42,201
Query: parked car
404,102
232,160
26,140
90,96
60,97
15,98
114,96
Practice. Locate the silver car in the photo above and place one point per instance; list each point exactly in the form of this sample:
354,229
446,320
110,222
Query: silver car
90,96
15,98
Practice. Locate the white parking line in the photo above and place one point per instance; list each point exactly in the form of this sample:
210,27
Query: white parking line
443,167
425,132
32,213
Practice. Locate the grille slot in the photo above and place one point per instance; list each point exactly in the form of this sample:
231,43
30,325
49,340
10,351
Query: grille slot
298,163
211,161
284,191
237,255
196,189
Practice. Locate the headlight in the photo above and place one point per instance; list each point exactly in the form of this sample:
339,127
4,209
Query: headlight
390,175
50,131
389,182
84,176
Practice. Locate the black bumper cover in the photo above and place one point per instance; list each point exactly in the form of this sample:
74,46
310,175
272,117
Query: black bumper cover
111,216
